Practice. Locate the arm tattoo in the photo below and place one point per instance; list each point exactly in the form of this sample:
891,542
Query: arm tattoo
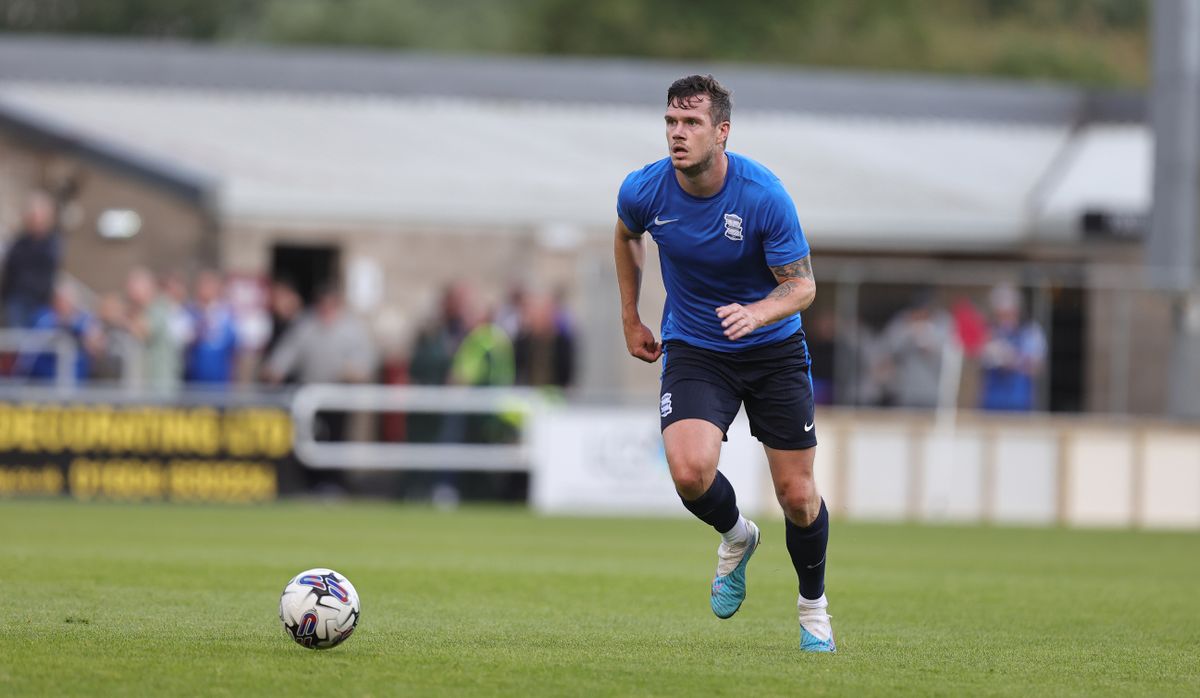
799,269
782,290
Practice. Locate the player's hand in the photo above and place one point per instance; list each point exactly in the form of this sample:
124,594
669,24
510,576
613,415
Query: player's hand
738,320
641,343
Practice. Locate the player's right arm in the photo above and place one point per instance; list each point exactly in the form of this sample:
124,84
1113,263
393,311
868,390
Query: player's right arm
629,251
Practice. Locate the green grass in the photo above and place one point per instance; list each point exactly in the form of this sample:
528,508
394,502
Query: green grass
128,600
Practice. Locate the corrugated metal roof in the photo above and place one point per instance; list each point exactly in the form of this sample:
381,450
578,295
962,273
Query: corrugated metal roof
43,130
1109,169
439,161
861,178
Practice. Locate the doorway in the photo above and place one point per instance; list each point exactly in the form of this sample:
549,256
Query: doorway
1066,364
307,267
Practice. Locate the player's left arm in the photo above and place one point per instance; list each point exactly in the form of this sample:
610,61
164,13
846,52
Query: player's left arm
796,291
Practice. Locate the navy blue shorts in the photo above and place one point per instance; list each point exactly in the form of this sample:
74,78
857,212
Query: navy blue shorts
772,381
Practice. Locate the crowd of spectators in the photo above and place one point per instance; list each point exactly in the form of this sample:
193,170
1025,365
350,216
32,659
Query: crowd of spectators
161,333
154,335
926,354
529,339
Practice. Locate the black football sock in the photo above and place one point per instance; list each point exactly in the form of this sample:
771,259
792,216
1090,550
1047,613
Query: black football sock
717,507
806,545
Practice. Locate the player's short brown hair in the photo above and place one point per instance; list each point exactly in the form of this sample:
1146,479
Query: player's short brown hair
685,89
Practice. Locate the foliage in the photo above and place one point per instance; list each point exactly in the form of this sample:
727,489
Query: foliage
1088,41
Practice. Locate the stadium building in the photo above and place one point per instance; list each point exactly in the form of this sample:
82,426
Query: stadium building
400,172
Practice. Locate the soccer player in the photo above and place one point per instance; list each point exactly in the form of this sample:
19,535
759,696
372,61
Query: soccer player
736,268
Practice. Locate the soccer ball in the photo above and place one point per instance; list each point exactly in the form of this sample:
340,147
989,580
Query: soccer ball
319,608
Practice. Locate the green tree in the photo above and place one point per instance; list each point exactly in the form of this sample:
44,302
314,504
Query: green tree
1089,41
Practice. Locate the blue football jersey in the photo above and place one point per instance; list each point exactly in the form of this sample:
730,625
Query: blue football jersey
717,250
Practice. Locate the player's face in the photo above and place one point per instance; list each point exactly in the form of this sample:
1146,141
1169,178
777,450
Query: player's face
692,138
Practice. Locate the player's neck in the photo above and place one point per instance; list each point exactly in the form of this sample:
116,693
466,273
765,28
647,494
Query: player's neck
707,182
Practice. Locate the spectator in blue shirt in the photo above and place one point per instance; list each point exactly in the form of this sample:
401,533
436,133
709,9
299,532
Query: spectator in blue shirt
1013,356
64,315
212,353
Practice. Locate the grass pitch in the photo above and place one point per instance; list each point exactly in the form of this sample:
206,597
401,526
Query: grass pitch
162,600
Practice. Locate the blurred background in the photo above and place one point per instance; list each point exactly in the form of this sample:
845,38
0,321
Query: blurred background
256,248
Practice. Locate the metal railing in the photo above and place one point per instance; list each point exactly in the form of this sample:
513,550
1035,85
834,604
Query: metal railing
28,344
368,455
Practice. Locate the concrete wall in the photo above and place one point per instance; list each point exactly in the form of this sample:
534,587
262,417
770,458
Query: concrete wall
175,233
1129,351
1030,470
20,169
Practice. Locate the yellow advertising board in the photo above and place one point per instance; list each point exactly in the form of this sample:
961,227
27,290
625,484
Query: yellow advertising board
144,452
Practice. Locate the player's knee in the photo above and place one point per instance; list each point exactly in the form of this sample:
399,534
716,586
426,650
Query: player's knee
691,473
690,483
692,448
799,500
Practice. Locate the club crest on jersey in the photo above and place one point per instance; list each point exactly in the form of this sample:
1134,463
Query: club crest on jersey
733,226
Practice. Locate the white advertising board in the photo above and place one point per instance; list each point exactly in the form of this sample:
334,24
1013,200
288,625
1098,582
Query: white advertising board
611,461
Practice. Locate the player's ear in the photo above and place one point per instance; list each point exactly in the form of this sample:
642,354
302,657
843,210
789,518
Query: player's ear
723,133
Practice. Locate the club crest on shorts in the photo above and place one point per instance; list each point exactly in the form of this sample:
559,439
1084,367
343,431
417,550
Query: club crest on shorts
733,226
664,405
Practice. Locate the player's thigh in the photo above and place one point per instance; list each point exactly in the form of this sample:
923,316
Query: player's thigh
697,403
697,384
779,404
791,468
795,485
693,448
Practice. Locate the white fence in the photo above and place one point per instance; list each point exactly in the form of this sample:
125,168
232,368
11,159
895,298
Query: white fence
897,466
886,465
368,455
1033,469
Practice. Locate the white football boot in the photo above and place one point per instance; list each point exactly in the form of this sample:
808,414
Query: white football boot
816,632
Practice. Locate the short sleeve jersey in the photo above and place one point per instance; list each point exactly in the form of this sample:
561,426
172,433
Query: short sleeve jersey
717,250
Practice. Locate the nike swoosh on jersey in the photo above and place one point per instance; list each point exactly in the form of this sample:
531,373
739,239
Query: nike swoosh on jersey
664,222
809,426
